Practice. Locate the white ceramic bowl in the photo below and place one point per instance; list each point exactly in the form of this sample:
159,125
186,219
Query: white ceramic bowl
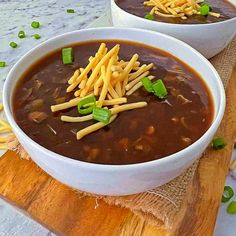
208,39
112,179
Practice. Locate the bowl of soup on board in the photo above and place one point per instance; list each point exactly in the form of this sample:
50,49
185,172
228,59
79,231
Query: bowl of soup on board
114,111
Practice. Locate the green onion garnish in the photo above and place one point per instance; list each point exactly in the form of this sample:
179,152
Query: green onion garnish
13,44
101,114
231,209
37,36
218,143
2,63
85,101
67,56
159,89
149,17
21,34
147,84
70,11
204,9
35,24
227,194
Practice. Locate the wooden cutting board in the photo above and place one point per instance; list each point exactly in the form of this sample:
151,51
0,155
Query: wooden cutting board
63,211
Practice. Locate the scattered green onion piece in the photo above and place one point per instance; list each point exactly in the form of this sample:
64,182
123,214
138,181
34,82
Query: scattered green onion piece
21,34
149,17
218,143
231,209
227,194
13,44
35,24
147,84
70,11
37,36
85,101
204,9
101,114
67,56
159,89
2,63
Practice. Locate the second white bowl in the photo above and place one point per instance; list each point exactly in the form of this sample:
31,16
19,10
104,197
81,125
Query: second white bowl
208,39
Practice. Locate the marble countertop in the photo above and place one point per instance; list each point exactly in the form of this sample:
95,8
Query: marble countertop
16,15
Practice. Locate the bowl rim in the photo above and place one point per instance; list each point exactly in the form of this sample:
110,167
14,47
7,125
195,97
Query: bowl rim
155,23
106,167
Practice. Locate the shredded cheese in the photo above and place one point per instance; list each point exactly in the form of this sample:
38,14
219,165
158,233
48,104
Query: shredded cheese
114,111
108,78
176,8
4,128
92,128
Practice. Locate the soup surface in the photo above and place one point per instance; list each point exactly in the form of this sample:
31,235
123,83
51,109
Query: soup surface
162,128
226,9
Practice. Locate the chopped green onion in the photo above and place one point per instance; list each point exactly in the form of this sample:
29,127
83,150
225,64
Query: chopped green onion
35,24
67,56
70,11
149,17
37,36
13,44
227,194
21,34
218,143
147,84
101,114
159,89
85,101
204,9
231,209
2,63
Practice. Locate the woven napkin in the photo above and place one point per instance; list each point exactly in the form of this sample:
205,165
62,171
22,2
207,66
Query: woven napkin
161,205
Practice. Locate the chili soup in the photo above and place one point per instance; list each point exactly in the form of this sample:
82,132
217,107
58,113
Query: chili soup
141,104
180,11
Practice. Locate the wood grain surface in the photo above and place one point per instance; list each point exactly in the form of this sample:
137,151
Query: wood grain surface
65,212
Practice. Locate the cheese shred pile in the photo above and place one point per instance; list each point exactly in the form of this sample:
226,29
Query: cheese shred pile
110,80
5,128
176,8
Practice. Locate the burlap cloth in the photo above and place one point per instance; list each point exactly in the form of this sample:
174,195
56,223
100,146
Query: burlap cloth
161,205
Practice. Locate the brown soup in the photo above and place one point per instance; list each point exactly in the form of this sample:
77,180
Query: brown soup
153,132
226,9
